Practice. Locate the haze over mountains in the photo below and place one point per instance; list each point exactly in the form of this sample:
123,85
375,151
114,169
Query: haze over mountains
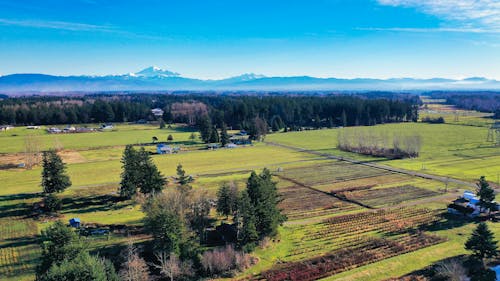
157,79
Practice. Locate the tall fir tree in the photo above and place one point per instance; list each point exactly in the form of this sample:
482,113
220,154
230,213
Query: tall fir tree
224,204
166,227
264,197
343,118
482,242
54,177
205,127
214,136
130,170
139,173
182,178
224,136
486,195
150,179
246,220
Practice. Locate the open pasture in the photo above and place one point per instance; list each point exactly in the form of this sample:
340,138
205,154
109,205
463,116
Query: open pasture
12,141
385,196
449,150
435,108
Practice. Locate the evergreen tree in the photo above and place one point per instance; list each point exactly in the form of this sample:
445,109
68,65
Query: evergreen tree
343,118
482,243
224,137
317,121
54,177
82,268
192,137
486,195
182,178
224,204
330,122
276,123
264,197
258,128
130,170
139,172
214,136
247,230
59,243
52,203
166,228
162,124
205,127
150,179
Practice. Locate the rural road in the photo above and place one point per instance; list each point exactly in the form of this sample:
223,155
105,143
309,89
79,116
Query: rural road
378,166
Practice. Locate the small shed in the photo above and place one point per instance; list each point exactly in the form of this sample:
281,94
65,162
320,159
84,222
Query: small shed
164,149
75,222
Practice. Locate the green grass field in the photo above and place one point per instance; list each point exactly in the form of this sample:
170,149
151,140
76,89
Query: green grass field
93,162
450,150
12,141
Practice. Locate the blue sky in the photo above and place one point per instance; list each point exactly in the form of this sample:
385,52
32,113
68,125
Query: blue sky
221,38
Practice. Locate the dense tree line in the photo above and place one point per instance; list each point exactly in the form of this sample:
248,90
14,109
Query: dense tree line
480,101
236,111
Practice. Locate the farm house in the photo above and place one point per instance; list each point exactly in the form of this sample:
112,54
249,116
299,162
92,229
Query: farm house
467,204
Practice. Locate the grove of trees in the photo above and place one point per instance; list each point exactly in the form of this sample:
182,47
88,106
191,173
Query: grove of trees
378,143
237,111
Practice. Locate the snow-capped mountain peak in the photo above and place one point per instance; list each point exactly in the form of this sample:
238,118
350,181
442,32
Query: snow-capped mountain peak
154,71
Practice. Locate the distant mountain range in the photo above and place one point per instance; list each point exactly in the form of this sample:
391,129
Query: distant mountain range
157,79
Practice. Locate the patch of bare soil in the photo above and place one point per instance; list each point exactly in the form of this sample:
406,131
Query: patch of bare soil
10,161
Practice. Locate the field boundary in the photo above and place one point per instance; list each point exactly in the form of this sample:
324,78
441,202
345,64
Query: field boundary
377,166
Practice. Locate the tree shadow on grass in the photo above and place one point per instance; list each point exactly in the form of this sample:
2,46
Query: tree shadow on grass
18,241
19,196
95,203
14,210
449,221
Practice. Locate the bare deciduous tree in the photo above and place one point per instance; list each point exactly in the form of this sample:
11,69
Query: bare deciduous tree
169,265
31,151
135,268
452,270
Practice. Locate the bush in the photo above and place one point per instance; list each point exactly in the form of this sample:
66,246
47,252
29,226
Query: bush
438,120
224,260
51,203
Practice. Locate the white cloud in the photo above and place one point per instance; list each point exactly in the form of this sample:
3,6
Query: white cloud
61,25
76,27
482,14
438,29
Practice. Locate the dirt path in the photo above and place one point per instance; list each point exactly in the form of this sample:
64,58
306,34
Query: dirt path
378,166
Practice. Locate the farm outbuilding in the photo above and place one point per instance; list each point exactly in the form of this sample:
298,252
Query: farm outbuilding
158,112
6,127
75,222
164,149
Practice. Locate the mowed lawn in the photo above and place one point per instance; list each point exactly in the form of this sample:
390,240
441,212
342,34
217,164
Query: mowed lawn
450,150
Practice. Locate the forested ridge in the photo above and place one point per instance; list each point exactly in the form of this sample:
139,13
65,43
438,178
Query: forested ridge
234,111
